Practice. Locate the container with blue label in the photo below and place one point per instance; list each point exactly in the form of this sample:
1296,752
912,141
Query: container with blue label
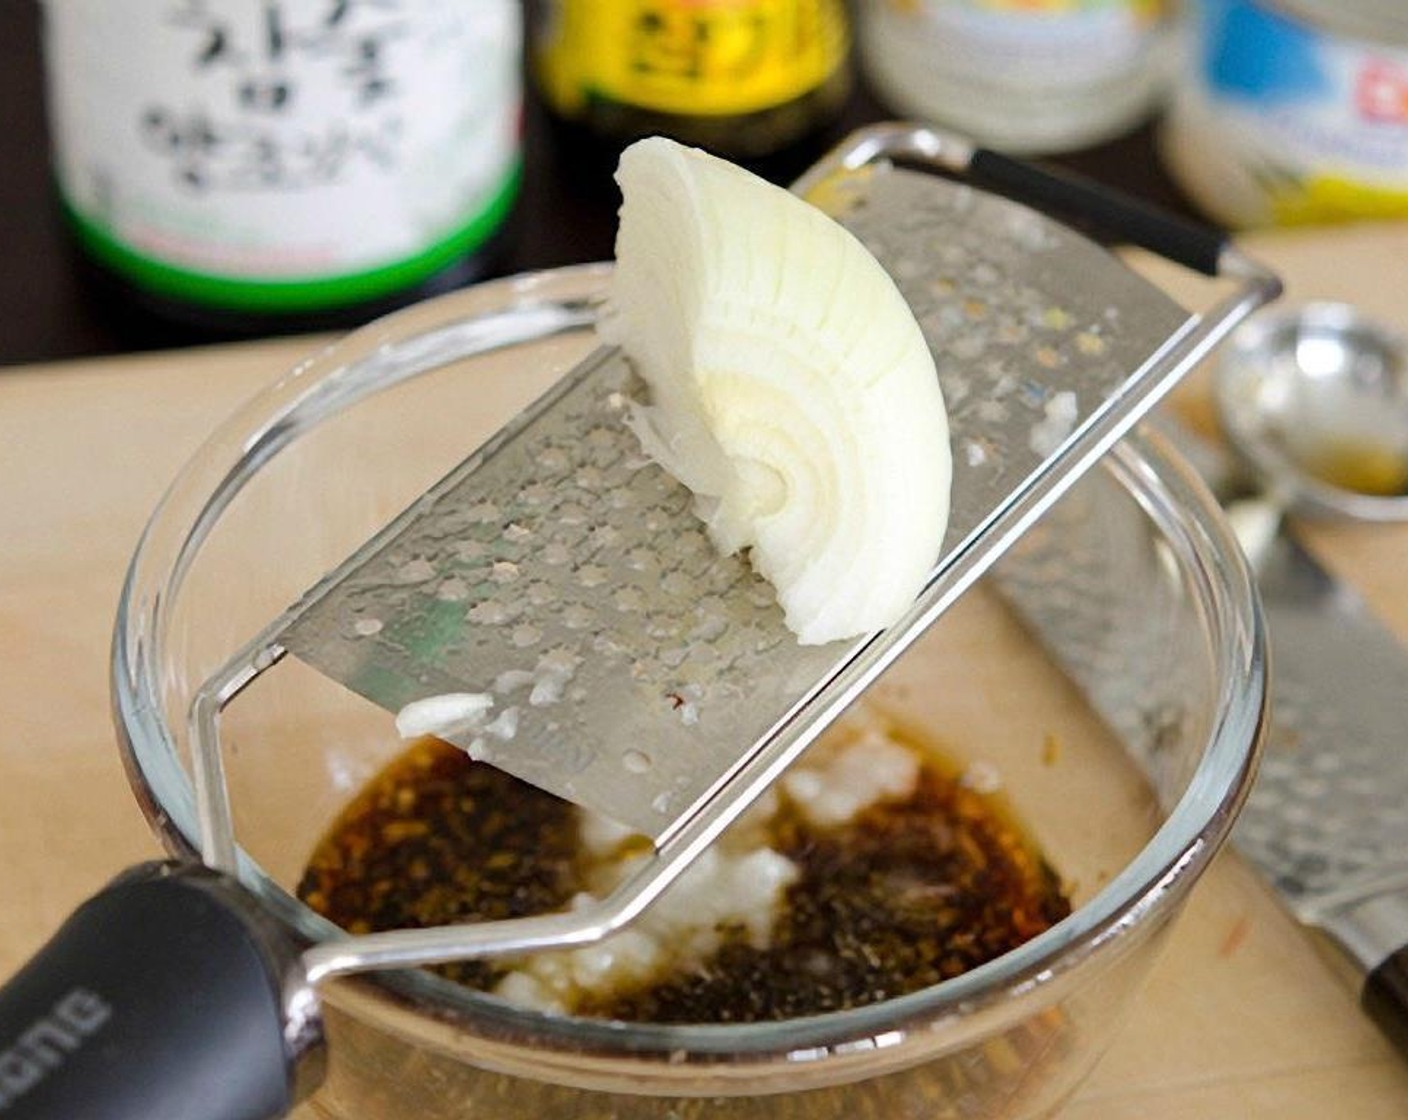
1294,112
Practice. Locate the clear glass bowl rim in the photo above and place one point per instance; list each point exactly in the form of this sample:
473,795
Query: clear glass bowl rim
1141,895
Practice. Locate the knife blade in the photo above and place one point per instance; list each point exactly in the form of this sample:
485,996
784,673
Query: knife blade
1327,819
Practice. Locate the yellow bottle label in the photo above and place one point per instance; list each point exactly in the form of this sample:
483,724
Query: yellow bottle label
690,57
1148,9
1328,198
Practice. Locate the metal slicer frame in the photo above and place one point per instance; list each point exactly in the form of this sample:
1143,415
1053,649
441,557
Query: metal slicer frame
678,846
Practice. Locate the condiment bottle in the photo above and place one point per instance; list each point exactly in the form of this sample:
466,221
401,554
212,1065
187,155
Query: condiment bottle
1027,76
1293,112
255,165
742,78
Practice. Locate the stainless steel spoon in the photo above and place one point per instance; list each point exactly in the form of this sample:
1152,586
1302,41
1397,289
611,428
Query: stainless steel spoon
1316,400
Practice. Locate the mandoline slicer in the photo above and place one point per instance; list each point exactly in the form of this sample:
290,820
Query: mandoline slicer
634,671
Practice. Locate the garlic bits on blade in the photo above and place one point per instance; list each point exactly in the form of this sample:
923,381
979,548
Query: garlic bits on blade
790,387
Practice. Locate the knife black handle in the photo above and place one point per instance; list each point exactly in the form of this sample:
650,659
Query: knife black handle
159,999
1385,997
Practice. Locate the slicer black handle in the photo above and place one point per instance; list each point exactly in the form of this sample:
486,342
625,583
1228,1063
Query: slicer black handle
1385,998
1178,239
159,999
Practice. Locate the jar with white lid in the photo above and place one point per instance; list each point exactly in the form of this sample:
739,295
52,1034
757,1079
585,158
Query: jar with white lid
1031,77
1293,112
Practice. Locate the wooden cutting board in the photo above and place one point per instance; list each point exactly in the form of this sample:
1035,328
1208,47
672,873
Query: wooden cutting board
1243,1018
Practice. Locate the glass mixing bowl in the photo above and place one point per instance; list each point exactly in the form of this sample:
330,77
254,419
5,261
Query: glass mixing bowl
1109,677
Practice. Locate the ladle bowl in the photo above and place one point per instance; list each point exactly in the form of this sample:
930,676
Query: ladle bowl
1316,400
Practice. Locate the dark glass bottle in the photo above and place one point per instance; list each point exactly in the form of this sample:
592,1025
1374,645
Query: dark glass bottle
742,78
261,165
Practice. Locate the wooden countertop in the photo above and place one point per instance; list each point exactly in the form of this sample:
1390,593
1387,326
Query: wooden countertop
1243,1017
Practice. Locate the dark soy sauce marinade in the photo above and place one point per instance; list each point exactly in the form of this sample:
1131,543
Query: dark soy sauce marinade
913,890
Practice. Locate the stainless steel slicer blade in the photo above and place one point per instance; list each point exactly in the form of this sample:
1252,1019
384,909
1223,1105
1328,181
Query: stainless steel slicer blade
566,576
633,670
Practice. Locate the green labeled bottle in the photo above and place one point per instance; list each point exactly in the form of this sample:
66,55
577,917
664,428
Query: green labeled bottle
270,164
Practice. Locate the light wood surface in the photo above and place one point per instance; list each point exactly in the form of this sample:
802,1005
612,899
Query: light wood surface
1243,1017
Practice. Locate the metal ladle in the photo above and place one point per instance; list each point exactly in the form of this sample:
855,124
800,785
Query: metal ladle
1315,400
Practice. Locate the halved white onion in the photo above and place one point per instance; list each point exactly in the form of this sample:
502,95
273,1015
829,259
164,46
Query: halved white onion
790,387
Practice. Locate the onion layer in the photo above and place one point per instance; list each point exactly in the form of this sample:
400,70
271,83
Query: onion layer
790,387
